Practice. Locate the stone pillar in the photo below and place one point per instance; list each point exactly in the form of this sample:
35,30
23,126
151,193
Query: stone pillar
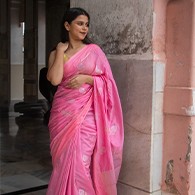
159,65
31,51
4,56
31,105
54,13
124,30
179,99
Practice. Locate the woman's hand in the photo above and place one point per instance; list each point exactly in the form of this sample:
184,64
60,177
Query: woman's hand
62,46
78,80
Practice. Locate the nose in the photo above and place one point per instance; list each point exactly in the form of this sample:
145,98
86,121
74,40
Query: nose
85,27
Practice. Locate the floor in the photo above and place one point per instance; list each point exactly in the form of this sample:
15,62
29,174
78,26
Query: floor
25,162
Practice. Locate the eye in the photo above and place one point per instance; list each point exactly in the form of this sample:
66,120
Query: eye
80,23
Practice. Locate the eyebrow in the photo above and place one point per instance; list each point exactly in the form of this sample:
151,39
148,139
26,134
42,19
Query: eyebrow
81,21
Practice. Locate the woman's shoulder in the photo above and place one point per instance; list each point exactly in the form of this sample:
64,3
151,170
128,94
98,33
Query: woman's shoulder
95,47
98,51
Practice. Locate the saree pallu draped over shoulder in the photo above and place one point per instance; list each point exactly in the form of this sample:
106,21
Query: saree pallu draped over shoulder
86,129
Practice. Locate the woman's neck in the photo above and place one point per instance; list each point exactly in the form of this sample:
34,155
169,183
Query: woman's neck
74,45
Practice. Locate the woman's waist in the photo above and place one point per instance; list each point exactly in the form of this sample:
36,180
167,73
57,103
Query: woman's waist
71,98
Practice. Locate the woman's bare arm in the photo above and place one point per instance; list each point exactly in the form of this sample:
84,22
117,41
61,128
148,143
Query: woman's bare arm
55,64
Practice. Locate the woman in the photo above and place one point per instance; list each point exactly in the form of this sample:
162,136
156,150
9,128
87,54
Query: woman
86,128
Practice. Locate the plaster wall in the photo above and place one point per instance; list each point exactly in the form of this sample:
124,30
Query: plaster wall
124,31
120,27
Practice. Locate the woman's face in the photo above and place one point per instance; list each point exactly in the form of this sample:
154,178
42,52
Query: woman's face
78,28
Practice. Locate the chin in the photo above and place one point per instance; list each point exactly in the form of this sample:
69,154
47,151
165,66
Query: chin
82,39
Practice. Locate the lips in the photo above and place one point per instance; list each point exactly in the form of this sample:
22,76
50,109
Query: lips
83,33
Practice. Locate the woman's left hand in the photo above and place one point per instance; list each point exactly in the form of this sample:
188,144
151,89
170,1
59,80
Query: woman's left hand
78,80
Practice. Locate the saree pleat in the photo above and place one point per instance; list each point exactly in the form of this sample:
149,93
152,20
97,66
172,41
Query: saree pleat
86,129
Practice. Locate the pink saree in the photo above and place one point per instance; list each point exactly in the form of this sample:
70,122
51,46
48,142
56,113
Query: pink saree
86,129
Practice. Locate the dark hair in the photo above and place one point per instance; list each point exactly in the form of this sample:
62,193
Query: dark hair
70,15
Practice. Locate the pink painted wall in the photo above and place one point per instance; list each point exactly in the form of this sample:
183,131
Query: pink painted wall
159,30
178,45
179,100
192,175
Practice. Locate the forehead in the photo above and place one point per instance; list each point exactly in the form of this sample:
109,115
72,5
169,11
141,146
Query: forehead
82,18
